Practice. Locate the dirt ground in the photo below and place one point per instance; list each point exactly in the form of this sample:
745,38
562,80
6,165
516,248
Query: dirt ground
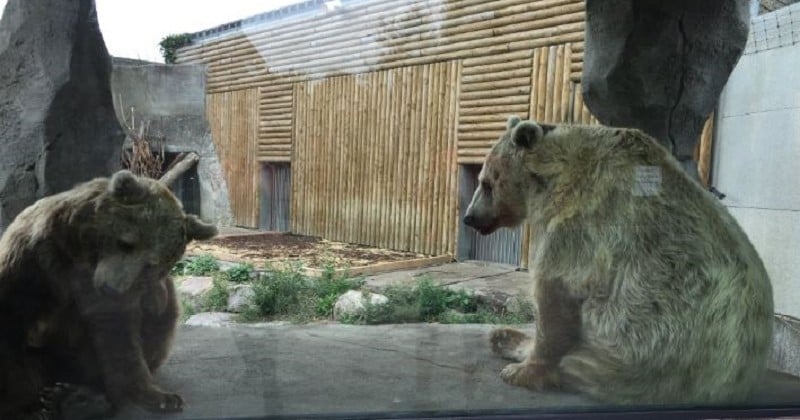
311,252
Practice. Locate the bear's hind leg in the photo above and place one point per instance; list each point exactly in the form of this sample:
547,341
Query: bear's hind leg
158,329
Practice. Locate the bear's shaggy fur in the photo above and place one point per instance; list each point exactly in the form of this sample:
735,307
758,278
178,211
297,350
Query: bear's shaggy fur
85,293
647,290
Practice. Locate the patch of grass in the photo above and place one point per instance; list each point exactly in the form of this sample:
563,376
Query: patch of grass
217,297
240,273
179,269
187,309
429,302
329,287
277,294
201,265
288,294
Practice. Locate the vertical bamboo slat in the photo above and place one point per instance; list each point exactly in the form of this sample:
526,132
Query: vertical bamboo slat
378,155
233,122
704,150
452,145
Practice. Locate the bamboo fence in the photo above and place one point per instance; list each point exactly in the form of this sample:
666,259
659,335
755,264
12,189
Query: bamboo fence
275,114
375,105
349,97
374,159
382,34
232,117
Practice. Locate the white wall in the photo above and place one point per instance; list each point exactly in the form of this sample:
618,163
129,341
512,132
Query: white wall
757,149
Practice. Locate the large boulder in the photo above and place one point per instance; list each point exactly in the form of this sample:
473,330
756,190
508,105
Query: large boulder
57,121
661,65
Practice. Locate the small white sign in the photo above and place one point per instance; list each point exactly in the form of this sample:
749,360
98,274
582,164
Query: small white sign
646,181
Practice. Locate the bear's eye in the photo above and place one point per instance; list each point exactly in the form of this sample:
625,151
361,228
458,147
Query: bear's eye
125,246
486,187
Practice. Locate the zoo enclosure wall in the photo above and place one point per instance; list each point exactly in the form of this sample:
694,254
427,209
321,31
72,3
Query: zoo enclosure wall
376,104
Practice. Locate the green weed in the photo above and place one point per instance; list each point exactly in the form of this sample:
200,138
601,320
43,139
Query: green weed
217,297
240,273
201,265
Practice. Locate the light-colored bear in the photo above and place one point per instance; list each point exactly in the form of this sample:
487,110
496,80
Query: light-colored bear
647,290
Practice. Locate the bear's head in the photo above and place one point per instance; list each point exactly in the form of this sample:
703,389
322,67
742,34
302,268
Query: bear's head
140,231
505,185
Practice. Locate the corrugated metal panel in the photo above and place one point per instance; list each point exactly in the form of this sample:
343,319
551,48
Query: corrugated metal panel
276,186
502,246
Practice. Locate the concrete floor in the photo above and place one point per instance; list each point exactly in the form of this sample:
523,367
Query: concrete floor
301,370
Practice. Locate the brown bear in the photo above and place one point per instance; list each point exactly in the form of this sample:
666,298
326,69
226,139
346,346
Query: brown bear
85,292
647,290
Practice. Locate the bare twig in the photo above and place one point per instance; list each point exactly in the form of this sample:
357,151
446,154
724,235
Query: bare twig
141,159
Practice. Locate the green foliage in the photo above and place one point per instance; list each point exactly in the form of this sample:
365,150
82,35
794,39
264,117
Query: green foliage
187,309
240,273
202,265
179,269
428,302
277,293
288,294
217,297
329,287
169,46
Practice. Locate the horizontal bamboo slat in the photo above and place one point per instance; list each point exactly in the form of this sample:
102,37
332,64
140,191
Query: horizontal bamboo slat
275,122
384,34
492,88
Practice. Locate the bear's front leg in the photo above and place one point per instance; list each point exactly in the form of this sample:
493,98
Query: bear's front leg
126,375
558,324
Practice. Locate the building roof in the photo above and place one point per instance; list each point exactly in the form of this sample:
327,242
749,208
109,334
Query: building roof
301,8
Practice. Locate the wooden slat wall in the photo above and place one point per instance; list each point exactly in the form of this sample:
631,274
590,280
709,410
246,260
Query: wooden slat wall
374,159
275,123
232,117
535,84
376,35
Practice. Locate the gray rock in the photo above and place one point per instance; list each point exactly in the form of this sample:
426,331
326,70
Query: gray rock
240,297
660,66
57,121
210,319
194,287
352,303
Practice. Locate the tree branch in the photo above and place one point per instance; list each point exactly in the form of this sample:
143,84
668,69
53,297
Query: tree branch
179,166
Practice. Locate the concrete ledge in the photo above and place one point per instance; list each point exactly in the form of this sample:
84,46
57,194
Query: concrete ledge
328,368
786,345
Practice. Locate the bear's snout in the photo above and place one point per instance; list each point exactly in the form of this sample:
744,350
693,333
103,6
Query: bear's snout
469,220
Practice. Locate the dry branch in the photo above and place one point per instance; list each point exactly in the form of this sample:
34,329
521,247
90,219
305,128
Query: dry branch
179,166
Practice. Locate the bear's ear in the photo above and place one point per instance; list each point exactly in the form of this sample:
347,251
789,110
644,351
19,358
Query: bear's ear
125,187
512,122
526,134
197,229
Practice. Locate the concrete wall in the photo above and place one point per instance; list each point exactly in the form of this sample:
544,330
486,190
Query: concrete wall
757,149
171,99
